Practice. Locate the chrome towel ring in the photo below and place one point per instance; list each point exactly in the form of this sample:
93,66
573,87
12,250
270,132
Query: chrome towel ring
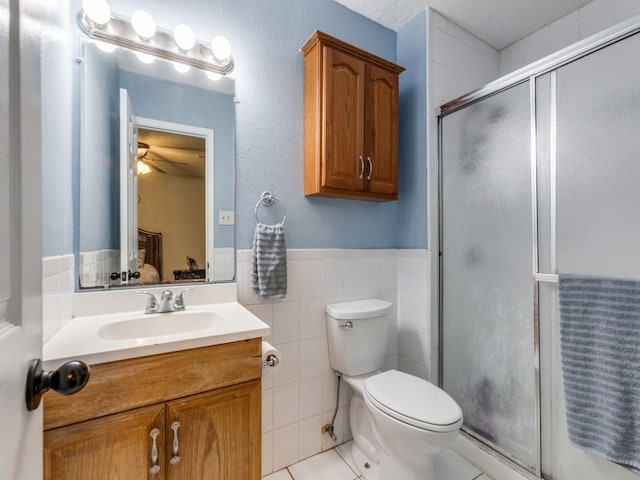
268,199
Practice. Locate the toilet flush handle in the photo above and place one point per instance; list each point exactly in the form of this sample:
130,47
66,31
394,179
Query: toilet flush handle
347,326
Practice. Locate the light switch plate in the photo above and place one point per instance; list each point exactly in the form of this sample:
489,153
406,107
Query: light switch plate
226,217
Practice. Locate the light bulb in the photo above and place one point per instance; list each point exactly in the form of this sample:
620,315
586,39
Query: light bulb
142,168
98,11
105,47
181,67
143,24
184,37
221,48
213,76
145,57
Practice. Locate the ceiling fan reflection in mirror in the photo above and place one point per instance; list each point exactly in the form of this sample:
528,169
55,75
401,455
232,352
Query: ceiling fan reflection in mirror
170,153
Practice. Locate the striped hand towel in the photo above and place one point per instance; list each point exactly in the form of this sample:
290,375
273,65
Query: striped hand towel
269,258
600,347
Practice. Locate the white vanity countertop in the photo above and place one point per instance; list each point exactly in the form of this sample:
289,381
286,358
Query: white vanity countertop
82,338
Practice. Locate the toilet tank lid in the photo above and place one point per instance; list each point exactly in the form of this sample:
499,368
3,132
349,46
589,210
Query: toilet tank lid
370,308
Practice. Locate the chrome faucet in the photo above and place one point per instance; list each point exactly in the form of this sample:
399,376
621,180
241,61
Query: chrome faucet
166,304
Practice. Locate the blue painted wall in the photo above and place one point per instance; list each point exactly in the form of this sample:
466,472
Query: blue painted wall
58,153
99,172
412,197
266,36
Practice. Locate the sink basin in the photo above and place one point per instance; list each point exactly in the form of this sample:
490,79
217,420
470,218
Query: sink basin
157,325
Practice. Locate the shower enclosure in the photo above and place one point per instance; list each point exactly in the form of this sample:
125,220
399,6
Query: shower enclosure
539,174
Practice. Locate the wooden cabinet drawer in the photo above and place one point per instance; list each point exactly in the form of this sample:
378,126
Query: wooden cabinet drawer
127,384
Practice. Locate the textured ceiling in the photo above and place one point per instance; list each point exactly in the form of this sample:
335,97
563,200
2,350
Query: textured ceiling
497,22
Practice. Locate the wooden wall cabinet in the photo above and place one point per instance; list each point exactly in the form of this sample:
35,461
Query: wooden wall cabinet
111,431
351,121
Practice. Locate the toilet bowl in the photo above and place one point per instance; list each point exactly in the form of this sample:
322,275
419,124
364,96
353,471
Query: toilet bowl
399,422
413,421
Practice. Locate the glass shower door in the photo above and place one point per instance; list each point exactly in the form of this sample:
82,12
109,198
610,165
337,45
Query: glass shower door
597,212
487,290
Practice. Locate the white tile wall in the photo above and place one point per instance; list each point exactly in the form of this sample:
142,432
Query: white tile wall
299,398
414,324
96,267
58,285
459,61
224,263
577,25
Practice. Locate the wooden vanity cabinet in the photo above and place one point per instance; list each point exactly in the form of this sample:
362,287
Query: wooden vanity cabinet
351,121
107,432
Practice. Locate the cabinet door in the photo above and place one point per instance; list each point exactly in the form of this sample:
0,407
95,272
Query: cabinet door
382,130
116,447
343,125
219,434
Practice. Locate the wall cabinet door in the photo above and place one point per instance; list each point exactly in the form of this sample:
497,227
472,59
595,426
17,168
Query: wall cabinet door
343,112
116,447
218,437
381,133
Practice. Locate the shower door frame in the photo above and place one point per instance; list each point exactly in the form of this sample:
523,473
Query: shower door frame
530,74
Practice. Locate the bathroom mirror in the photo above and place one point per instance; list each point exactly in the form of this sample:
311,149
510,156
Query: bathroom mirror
157,172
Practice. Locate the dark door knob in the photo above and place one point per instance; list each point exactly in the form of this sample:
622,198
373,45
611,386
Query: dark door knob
70,378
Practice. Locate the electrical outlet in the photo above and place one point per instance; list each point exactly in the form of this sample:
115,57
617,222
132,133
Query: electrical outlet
226,217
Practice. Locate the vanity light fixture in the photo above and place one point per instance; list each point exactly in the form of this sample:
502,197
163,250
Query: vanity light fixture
145,57
97,11
143,24
181,67
221,48
141,35
184,36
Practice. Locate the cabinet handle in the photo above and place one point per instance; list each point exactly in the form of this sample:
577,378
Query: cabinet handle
361,167
176,444
370,168
155,468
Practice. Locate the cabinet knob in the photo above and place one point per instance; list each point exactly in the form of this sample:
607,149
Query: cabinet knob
155,468
361,167
176,444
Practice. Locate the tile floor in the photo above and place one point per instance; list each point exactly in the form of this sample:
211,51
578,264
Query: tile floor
336,464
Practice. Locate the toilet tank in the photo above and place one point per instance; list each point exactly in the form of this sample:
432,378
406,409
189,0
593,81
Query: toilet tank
357,335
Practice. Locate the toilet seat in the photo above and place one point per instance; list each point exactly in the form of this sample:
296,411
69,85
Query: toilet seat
413,401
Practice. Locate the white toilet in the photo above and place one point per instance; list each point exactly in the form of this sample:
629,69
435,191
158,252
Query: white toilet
399,422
